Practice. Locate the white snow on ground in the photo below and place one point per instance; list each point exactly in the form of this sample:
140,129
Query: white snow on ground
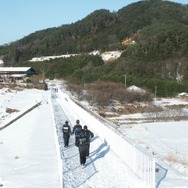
28,152
32,152
134,88
9,99
46,58
106,56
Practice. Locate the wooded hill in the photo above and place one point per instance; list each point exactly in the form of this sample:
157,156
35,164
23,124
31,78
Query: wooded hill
159,54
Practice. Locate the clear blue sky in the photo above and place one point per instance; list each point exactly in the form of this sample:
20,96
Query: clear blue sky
19,18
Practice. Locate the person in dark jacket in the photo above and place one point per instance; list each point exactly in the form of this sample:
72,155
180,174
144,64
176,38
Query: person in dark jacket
89,135
82,147
66,133
76,131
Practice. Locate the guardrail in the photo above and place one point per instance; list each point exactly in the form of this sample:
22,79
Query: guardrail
142,164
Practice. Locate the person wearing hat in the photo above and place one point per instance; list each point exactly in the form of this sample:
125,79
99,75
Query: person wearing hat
66,133
76,131
89,135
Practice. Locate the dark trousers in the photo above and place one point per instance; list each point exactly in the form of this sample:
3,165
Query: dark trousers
77,140
66,140
88,147
83,151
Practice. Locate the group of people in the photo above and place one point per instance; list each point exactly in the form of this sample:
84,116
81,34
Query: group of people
82,139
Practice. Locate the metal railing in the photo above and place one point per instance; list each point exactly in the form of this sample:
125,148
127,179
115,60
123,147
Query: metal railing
141,162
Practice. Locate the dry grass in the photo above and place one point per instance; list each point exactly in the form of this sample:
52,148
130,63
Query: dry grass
113,100
10,110
184,161
107,93
171,158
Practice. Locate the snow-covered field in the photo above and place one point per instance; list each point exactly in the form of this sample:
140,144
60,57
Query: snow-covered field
30,150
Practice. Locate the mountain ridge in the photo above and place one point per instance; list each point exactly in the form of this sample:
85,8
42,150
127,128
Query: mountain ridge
100,30
152,36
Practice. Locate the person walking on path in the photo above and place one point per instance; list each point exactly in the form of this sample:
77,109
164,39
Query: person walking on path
89,135
66,133
76,131
82,147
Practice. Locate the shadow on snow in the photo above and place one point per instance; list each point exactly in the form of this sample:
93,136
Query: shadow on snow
73,174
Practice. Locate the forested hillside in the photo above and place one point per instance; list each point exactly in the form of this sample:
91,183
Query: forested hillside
157,51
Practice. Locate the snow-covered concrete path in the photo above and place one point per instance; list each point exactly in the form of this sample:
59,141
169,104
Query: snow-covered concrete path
103,168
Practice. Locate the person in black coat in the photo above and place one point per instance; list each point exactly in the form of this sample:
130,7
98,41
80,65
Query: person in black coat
76,131
83,147
66,133
89,135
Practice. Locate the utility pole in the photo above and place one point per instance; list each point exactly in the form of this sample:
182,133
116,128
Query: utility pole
125,80
155,91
